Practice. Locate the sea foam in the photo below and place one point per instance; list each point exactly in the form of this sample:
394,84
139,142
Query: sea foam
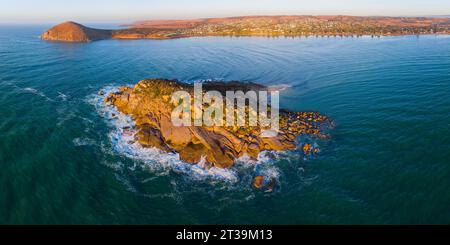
121,136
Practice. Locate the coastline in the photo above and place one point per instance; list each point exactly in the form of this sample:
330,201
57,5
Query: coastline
256,26
262,36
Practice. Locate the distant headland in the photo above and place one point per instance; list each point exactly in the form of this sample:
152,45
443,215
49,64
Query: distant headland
269,26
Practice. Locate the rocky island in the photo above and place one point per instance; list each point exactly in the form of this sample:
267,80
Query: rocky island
150,106
269,26
74,32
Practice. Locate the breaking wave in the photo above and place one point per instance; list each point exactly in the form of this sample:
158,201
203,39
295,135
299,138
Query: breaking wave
121,137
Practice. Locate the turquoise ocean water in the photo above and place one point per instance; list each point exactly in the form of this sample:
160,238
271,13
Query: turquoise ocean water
64,161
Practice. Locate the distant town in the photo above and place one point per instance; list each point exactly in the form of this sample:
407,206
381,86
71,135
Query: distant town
266,26
298,26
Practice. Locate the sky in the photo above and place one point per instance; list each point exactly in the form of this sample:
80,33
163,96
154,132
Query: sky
121,11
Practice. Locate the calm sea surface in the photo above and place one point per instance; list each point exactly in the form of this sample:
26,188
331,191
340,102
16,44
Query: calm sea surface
387,162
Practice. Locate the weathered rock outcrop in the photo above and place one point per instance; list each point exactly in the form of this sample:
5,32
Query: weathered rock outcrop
148,103
74,32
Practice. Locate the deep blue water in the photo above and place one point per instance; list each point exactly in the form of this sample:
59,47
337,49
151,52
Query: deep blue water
387,162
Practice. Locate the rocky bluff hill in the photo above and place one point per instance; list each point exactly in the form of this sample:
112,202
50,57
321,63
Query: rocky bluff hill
74,32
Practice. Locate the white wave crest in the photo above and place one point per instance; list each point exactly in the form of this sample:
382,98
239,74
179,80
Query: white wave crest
37,92
62,96
83,141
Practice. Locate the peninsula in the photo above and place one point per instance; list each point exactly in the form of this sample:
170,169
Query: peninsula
267,26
